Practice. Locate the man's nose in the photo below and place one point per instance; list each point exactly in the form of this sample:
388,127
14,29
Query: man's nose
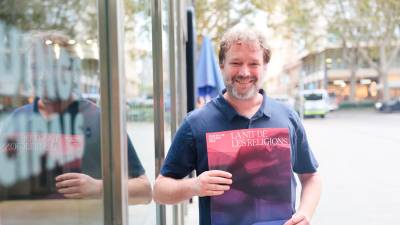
244,70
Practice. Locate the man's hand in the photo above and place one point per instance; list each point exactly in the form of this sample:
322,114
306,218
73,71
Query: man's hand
212,183
298,219
78,185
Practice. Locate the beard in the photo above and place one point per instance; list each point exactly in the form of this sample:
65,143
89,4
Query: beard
233,91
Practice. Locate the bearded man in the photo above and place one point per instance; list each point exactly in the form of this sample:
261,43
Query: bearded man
243,58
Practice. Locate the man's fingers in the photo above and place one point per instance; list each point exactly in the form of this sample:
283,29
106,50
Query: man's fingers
220,180
217,187
297,220
219,173
70,190
67,183
67,176
213,182
289,222
303,222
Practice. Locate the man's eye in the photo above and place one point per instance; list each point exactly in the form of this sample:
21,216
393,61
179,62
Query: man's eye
235,63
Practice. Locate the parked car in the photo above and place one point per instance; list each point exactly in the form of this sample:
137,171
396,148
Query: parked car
316,102
388,106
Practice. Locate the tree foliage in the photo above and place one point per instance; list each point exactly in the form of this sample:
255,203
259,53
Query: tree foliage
213,17
370,26
297,20
364,28
47,14
73,17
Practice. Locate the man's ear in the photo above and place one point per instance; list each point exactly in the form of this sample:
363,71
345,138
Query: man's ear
221,66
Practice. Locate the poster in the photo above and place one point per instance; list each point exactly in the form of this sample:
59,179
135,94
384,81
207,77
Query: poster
259,160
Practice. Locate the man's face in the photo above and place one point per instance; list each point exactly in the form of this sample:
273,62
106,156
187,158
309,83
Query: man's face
53,76
243,70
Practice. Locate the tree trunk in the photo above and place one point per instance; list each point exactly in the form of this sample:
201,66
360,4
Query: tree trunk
383,71
353,84
383,74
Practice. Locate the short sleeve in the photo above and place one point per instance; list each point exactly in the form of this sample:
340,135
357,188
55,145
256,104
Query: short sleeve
181,157
135,167
304,161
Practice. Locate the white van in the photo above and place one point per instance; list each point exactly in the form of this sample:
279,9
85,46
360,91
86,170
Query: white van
316,102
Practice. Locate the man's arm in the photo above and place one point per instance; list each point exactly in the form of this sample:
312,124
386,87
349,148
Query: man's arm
78,185
210,183
139,190
310,195
171,191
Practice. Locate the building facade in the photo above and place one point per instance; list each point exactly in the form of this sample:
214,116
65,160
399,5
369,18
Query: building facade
328,69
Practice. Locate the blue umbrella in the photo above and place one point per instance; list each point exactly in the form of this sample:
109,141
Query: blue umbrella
209,81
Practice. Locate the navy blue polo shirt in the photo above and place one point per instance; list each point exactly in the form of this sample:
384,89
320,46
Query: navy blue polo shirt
188,150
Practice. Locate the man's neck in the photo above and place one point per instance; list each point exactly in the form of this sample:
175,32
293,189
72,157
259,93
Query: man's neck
49,109
246,107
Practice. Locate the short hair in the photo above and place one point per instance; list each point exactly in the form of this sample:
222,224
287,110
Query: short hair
41,50
51,38
246,35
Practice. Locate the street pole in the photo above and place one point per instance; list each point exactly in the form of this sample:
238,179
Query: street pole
327,65
301,98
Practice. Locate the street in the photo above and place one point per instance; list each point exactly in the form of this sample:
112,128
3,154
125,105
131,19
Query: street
358,152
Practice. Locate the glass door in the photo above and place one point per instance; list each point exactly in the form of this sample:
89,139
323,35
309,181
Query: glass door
50,157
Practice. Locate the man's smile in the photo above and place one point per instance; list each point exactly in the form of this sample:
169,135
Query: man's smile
244,80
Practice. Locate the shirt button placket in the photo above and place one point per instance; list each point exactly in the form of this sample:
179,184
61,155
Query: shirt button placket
250,123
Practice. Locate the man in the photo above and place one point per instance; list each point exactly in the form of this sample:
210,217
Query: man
243,58
60,134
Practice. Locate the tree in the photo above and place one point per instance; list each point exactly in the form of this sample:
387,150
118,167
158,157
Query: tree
381,35
295,19
368,29
48,15
213,17
75,18
344,26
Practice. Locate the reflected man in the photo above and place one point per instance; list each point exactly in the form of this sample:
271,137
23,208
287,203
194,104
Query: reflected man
53,143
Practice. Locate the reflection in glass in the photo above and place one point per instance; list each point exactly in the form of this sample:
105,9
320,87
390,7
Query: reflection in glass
49,116
46,129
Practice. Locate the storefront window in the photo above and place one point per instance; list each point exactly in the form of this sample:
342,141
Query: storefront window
50,158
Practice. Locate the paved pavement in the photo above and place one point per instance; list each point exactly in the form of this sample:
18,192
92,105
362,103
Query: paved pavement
359,154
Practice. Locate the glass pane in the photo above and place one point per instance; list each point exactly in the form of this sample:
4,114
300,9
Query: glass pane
139,97
166,75
50,161
167,90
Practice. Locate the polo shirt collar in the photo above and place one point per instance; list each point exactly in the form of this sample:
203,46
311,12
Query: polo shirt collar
266,104
223,105
72,108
